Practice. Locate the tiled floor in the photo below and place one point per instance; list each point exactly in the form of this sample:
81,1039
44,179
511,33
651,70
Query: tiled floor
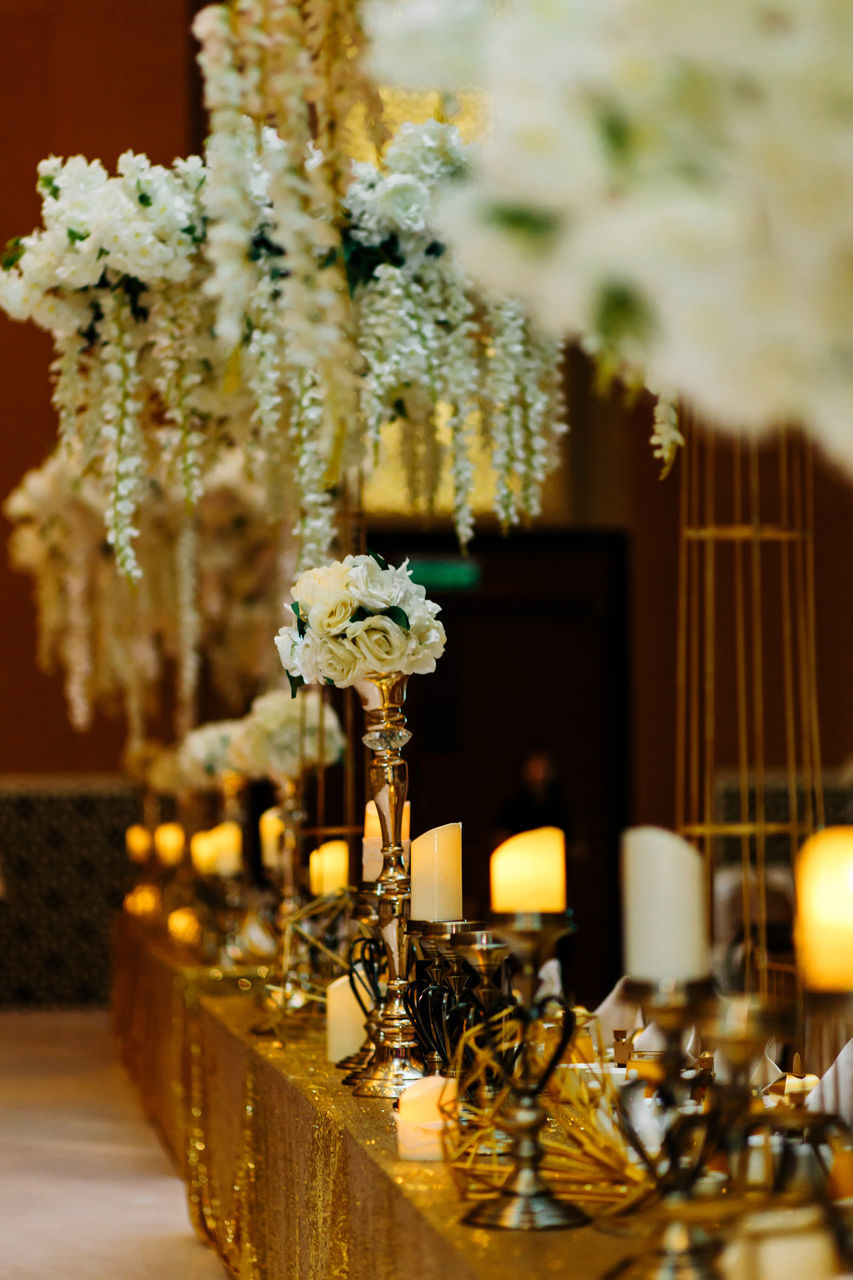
86,1190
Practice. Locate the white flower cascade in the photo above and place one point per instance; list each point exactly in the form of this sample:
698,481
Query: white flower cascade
671,181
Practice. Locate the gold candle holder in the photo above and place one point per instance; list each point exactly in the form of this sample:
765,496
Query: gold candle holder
396,1060
526,1202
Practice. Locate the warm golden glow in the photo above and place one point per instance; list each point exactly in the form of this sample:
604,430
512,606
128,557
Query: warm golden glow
271,830
528,872
137,842
144,900
169,842
400,106
203,853
184,927
825,910
328,868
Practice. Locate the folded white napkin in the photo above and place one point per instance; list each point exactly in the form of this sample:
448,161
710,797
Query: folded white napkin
615,1012
835,1091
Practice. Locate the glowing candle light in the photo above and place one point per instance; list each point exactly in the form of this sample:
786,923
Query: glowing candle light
419,1118
138,842
228,838
824,933
328,868
528,872
169,842
203,853
437,874
271,830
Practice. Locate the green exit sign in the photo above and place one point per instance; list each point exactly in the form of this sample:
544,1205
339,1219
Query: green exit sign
446,573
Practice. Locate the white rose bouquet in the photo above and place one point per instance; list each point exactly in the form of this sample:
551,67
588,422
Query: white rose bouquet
203,754
281,736
358,616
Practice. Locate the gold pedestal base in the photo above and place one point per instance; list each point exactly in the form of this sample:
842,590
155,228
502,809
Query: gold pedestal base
514,1210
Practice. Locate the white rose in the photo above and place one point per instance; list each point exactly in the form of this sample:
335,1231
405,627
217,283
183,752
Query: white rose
425,648
329,616
403,201
381,643
323,583
340,661
374,588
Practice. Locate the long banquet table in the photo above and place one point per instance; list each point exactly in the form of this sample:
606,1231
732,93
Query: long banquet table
290,1177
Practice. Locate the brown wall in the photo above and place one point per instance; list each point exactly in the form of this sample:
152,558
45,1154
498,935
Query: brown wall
98,78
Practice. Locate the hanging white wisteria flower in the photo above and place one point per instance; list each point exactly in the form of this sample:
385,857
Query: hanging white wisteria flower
432,344
671,180
209,592
282,736
358,616
114,274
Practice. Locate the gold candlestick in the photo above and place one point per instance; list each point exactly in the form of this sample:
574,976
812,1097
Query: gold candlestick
396,1060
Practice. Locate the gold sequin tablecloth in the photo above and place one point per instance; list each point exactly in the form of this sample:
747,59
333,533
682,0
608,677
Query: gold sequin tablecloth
289,1176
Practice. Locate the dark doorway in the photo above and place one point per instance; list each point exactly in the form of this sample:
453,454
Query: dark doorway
536,659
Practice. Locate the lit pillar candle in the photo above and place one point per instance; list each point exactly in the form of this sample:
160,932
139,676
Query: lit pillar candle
203,853
824,873
328,868
663,907
371,845
228,837
419,1118
528,873
137,842
344,1020
271,830
437,874
169,841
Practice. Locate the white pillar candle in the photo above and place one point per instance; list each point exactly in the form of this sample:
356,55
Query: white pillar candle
328,868
137,842
169,841
344,1019
663,906
373,827
419,1118
271,830
528,873
824,872
436,871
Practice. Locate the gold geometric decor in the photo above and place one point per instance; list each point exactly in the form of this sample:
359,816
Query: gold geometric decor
746,680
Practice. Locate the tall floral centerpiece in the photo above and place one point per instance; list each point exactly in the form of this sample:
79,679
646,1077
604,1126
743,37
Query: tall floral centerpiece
281,738
363,623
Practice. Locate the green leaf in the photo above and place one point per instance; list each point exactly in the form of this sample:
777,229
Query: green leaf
77,237
301,624
374,555
296,683
12,253
102,253
329,682
398,615
622,313
142,196
49,184
524,222
359,614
